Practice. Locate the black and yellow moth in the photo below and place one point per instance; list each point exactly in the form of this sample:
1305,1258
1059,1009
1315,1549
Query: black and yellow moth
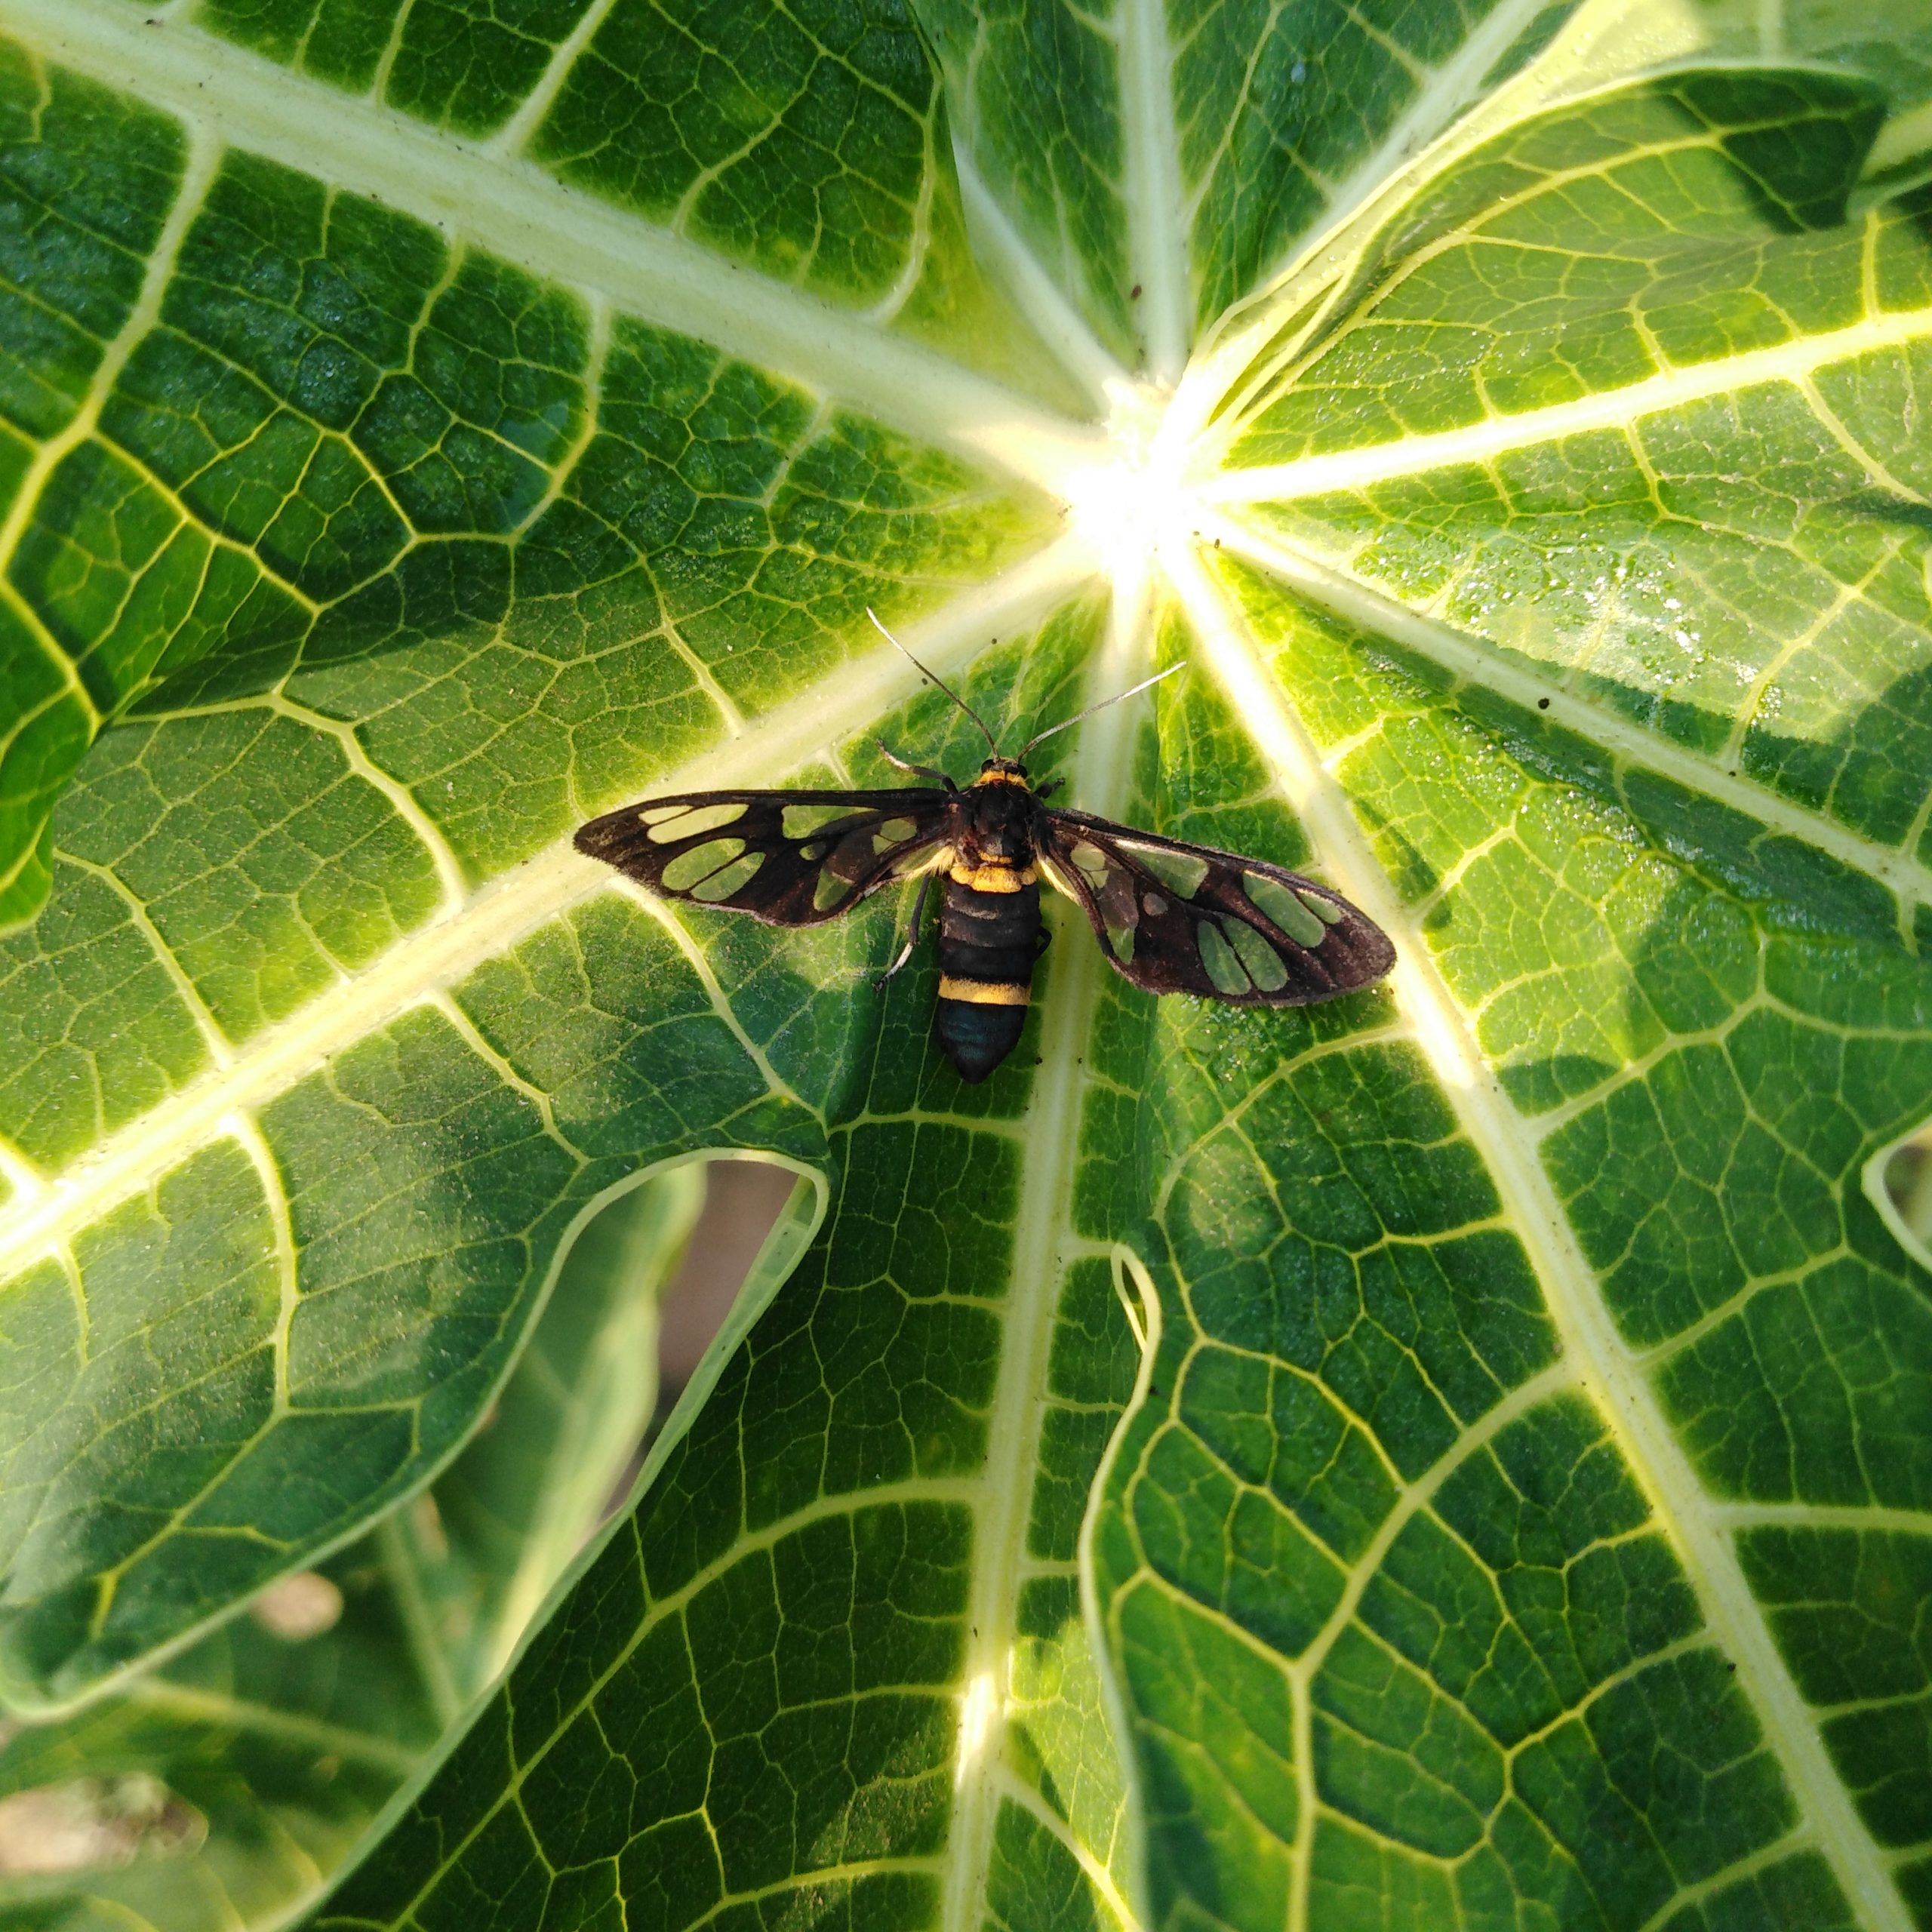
1170,917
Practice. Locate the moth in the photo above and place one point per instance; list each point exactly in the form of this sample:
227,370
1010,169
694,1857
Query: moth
1170,917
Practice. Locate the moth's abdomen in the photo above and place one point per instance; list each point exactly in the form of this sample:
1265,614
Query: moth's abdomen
988,942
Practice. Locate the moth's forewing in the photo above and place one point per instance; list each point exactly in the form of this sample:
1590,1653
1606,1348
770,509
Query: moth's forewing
1175,917
789,858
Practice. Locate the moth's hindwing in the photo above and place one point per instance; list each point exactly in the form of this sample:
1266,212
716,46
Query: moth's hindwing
789,858
1180,918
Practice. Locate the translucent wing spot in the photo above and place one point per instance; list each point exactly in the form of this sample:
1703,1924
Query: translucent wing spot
1285,909
1092,861
1113,896
722,885
894,832
829,891
690,869
1153,904
1224,968
666,823
1263,962
801,821
1179,871
1328,913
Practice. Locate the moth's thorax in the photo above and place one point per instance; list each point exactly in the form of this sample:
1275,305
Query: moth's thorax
995,839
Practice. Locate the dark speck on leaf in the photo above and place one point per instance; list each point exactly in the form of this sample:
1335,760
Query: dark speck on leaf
1133,294
1542,704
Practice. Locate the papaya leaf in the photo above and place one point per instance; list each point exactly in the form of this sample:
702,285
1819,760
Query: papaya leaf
1462,1455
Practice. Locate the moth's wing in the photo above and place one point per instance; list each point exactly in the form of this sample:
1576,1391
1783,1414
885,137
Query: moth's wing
789,858
1180,918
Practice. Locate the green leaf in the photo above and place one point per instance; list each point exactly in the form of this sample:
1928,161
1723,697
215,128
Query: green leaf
505,1519
1460,1455
222,1787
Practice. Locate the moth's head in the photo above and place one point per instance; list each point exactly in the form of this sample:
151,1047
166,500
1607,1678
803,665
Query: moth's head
998,770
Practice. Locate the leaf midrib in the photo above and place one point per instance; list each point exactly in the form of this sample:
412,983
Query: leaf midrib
517,211
1795,362
1472,662
496,916
1157,227
1623,1396
1013,265
1043,1245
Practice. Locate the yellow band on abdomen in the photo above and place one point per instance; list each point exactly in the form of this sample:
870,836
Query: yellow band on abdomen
993,878
984,993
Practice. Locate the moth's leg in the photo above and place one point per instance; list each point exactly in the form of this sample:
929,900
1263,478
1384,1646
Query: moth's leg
1051,785
1046,940
912,937
920,770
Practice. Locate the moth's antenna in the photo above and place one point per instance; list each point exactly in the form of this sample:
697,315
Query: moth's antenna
1117,698
931,680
